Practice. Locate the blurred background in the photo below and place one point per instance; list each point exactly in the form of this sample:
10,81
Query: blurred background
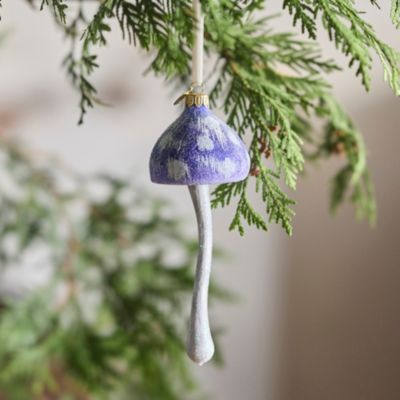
319,313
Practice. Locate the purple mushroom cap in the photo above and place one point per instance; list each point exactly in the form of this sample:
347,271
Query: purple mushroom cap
199,149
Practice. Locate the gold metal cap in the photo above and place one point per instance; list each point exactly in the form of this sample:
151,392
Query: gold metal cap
197,100
193,99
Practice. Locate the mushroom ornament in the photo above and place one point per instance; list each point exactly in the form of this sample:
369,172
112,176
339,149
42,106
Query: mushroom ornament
197,150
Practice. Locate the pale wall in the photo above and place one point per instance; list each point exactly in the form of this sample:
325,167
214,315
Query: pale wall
319,315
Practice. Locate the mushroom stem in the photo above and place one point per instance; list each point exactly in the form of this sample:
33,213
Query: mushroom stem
200,345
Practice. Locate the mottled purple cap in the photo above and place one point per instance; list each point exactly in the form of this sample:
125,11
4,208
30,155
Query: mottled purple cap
199,149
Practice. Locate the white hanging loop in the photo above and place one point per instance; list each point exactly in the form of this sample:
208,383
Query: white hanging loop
198,47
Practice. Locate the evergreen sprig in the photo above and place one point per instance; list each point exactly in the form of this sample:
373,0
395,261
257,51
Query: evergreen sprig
341,137
270,84
157,26
395,13
302,12
59,8
351,34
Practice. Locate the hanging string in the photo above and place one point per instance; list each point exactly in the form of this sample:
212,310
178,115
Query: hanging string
197,85
198,47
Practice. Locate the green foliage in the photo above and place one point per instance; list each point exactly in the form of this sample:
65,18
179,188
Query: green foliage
351,34
109,322
59,8
269,84
259,99
79,63
164,27
302,12
342,138
395,13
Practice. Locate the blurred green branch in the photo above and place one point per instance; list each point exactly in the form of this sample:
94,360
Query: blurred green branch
109,320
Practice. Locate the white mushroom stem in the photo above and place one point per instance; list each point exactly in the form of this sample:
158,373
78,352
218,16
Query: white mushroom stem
200,346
